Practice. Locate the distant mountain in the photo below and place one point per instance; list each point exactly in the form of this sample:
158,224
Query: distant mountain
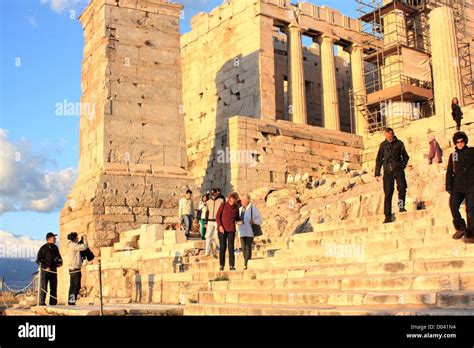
16,272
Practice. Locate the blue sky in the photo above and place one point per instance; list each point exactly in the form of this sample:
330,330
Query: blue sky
41,44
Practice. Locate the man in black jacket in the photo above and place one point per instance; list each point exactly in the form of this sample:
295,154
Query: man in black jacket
49,260
460,185
394,159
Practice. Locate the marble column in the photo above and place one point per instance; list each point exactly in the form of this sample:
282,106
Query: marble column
329,85
396,113
296,79
358,86
445,60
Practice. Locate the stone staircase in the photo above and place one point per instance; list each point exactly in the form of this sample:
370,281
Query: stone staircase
409,267
353,267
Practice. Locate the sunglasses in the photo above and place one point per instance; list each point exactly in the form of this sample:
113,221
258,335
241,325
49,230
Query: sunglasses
460,142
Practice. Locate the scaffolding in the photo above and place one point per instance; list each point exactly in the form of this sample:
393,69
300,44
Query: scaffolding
398,29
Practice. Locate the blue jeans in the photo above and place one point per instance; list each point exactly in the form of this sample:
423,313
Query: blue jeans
186,221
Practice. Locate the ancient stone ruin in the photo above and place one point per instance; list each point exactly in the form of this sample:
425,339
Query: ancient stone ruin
243,102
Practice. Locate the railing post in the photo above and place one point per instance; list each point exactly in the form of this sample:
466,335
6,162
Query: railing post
100,289
39,285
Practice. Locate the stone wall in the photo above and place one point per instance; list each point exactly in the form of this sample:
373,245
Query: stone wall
272,154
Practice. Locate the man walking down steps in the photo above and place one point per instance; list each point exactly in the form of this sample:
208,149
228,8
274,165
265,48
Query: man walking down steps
393,157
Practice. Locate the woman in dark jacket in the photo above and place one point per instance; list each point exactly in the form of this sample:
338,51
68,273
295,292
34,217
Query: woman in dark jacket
457,113
460,185
226,218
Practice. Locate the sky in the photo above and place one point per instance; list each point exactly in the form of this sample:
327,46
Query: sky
41,43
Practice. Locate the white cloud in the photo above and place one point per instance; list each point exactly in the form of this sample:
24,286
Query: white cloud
14,246
32,20
59,6
25,181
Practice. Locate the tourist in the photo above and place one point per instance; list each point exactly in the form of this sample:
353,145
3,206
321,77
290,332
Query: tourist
456,113
219,194
436,154
394,159
227,217
249,215
460,185
186,212
212,206
74,248
202,212
49,259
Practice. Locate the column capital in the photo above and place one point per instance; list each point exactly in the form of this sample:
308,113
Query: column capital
294,27
326,37
354,47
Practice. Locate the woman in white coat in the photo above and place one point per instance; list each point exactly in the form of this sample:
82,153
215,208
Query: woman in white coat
249,215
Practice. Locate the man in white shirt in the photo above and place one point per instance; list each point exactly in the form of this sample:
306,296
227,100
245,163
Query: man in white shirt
186,212
74,248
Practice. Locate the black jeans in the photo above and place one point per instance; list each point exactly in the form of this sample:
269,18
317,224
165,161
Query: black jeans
455,201
52,279
246,244
458,123
74,286
226,240
389,179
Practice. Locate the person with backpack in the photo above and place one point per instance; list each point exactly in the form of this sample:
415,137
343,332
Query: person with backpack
74,249
250,216
460,186
49,260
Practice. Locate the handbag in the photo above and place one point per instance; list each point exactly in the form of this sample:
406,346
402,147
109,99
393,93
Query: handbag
256,229
87,255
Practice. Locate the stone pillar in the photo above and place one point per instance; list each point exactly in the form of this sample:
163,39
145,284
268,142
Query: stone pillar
395,112
329,84
132,159
296,75
358,85
395,33
445,60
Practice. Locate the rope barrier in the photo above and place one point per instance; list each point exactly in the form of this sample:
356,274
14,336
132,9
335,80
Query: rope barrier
57,272
21,290
47,293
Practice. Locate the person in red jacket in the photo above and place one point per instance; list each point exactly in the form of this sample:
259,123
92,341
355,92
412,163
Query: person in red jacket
227,217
